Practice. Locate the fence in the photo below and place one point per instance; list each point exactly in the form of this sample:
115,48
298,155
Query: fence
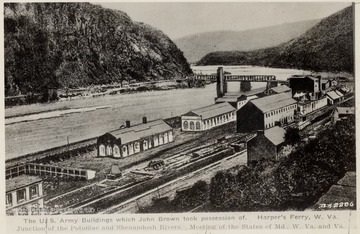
48,170
15,171
69,173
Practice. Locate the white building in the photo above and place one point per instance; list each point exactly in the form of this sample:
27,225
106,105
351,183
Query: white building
134,139
208,117
24,195
306,107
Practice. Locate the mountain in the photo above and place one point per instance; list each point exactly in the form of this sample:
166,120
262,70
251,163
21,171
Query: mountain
197,46
79,44
327,46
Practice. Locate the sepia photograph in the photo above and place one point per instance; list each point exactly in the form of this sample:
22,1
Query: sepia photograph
178,107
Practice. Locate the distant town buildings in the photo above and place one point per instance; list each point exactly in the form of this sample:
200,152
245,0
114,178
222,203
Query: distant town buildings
134,139
266,145
266,112
24,195
208,117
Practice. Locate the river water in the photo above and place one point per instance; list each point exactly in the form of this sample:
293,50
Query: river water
86,118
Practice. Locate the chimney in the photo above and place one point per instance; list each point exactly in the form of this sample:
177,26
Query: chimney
128,123
320,84
144,120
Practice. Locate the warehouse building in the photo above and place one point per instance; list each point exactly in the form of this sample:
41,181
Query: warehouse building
266,145
24,195
266,112
310,86
208,117
134,139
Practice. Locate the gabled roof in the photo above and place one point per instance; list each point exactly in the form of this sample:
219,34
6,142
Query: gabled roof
212,110
140,131
339,93
333,95
281,89
21,181
273,102
275,134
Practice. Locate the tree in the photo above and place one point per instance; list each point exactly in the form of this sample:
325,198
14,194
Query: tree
292,136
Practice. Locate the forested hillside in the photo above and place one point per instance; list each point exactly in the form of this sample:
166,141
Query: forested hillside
328,46
52,45
197,46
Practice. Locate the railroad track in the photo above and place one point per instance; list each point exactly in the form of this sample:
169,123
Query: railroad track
133,189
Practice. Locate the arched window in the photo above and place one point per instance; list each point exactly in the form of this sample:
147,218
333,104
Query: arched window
137,147
145,145
116,151
185,125
102,150
192,127
124,150
197,125
108,150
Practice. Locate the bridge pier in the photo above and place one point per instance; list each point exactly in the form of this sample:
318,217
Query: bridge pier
245,86
221,84
245,81
271,84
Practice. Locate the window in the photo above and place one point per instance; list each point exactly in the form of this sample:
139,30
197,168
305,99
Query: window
137,146
197,125
8,199
185,125
124,149
34,191
21,195
192,127
108,150
116,151
102,150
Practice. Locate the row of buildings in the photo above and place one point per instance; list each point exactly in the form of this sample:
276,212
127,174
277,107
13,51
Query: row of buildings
264,112
258,109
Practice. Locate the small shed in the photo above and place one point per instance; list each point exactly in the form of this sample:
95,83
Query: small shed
114,172
266,144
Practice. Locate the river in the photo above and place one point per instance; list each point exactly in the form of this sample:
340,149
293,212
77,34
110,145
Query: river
46,126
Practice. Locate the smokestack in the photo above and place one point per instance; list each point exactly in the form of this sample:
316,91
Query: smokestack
127,123
144,120
320,84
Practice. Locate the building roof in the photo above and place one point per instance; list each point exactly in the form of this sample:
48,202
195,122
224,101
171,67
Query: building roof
333,95
339,93
346,110
253,92
275,134
21,181
228,98
281,89
273,102
140,131
212,110
304,76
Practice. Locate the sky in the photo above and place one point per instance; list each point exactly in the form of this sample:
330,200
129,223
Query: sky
179,19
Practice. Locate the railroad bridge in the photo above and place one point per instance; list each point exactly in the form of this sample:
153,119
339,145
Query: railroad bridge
221,78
